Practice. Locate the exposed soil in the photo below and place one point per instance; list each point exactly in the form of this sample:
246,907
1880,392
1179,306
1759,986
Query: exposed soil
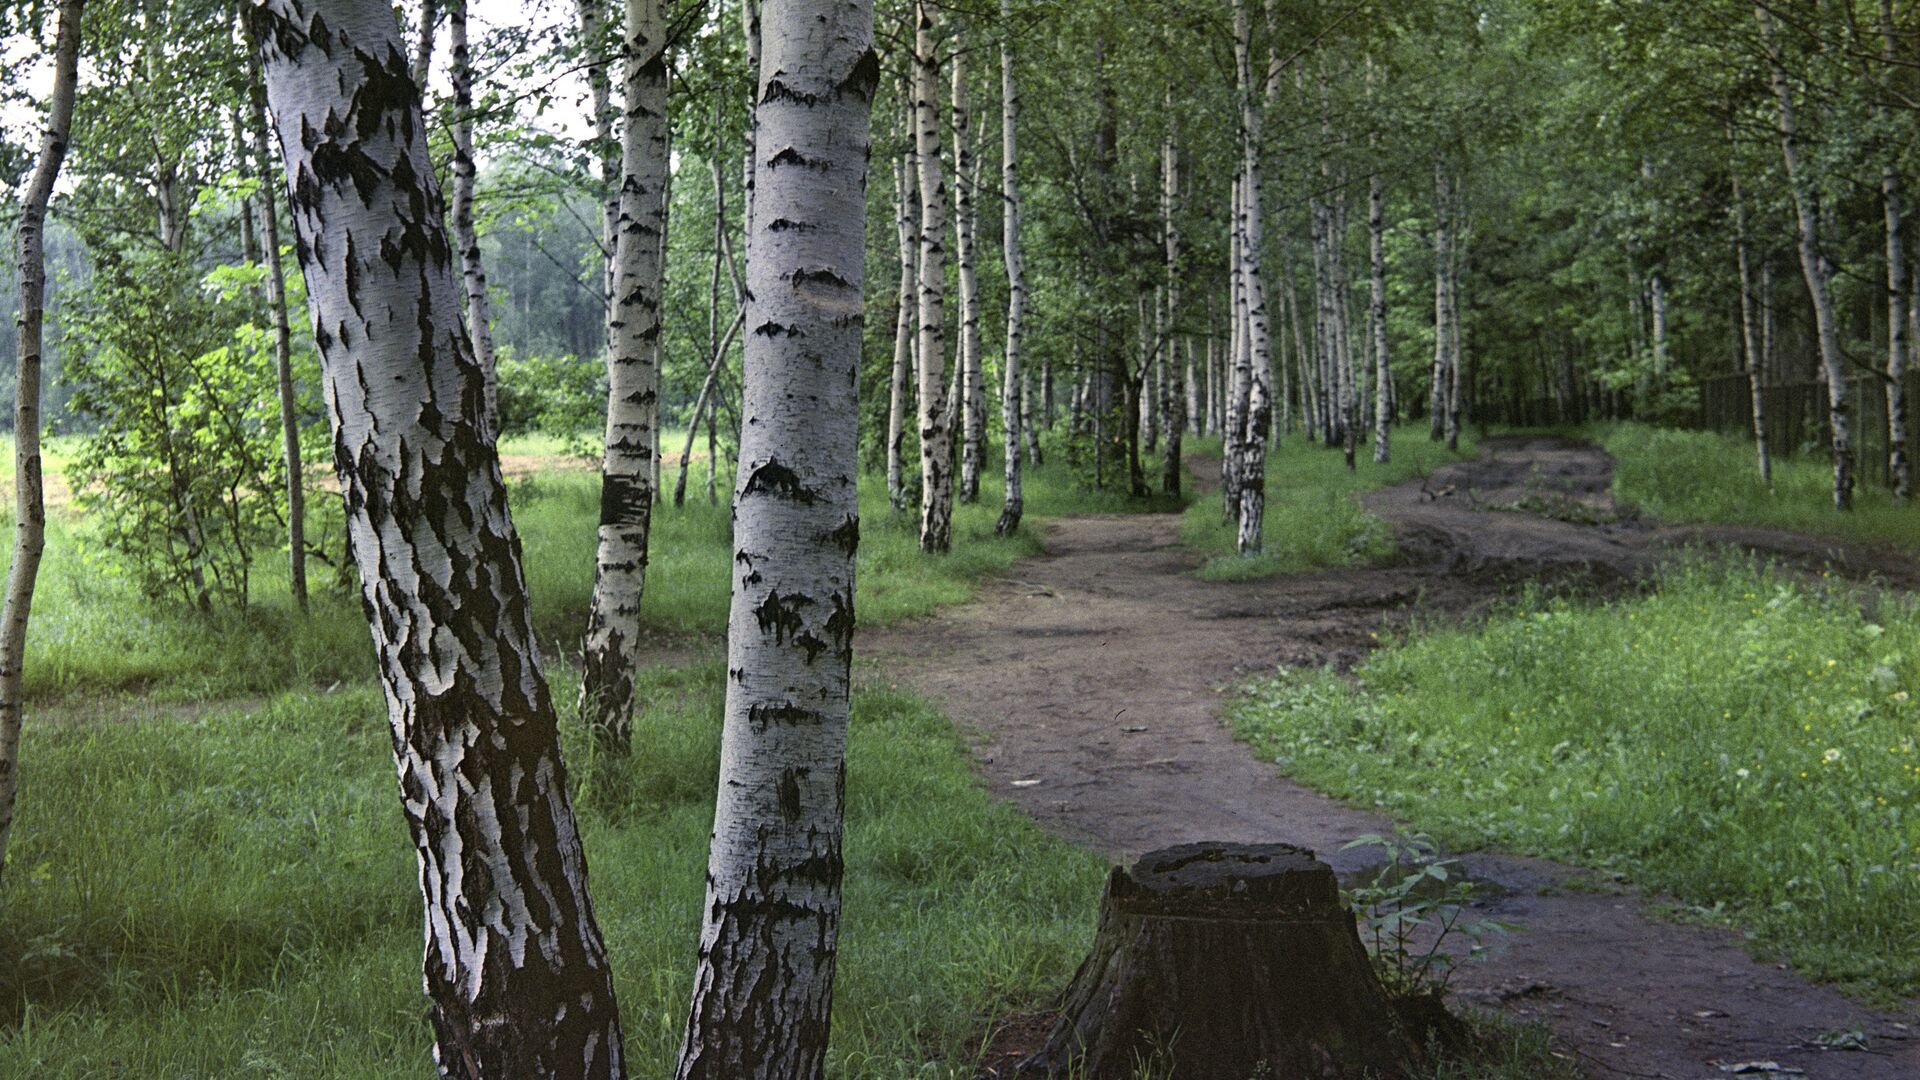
1091,679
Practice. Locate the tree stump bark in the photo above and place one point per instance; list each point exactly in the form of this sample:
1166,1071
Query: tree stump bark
1227,962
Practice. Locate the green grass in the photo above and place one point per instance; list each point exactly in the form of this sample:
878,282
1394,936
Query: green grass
1704,477
234,895
1313,517
1737,739
94,636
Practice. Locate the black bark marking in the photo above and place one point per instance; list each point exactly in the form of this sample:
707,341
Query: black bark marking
773,330
847,536
822,276
777,480
780,615
790,805
863,79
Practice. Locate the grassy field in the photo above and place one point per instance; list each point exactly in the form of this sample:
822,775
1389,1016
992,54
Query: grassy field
1742,741
1694,476
1313,519
223,888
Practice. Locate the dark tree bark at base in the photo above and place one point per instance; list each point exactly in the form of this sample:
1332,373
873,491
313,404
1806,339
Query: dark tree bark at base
1225,962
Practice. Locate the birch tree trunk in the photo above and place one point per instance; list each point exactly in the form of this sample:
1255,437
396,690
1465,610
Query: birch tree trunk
973,405
1456,373
29,503
1899,343
1442,259
633,385
515,967
936,434
426,20
283,333
1749,336
764,985
1657,303
1175,391
1377,309
906,220
472,271
591,17
1238,360
1816,268
1013,388
1258,357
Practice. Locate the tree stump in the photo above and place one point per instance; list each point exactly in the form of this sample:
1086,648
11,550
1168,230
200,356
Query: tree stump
1227,962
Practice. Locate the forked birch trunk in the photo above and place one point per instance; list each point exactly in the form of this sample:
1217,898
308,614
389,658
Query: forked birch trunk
472,271
515,967
764,985
1013,388
29,502
1816,268
936,432
283,334
633,385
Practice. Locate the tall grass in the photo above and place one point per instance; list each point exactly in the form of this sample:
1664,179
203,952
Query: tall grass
234,896
1313,518
1741,740
1707,477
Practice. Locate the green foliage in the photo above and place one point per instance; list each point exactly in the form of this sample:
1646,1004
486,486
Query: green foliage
1412,908
1740,739
556,395
180,475
1314,519
1690,476
240,901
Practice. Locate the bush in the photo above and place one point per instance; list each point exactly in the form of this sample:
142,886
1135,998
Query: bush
562,396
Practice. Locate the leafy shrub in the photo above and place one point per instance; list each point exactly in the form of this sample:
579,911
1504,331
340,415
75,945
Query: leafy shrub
562,396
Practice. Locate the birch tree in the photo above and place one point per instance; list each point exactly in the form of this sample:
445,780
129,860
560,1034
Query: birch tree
1751,345
973,418
627,486
472,271
1013,385
29,503
283,330
1174,390
764,985
936,433
906,220
515,967
1892,198
1256,349
1814,266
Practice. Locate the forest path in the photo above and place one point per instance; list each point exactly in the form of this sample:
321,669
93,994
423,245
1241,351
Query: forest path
1091,679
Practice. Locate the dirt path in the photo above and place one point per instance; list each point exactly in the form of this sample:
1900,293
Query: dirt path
1091,679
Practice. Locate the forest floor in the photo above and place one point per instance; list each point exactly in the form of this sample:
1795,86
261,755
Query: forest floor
1092,678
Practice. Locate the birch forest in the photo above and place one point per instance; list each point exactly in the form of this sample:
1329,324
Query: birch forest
969,539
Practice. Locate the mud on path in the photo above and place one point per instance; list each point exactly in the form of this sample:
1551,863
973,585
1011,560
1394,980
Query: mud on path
1090,679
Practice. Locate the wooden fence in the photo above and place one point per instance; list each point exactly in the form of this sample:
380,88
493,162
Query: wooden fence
1797,416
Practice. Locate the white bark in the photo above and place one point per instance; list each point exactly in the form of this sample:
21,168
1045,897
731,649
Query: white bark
627,486
426,18
29,504
1377,310
1175,389
1749,333
936,432
906,233
472,271
1013,387
1238,362
764,983
1899,344
1817,269
966,225
1257,356
591,17
515,966
1442,309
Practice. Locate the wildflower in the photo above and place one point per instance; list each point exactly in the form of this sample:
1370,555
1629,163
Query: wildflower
1832,755
1742,773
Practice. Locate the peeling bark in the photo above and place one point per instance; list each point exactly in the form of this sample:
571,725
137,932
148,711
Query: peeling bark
515,966
764,983
29,503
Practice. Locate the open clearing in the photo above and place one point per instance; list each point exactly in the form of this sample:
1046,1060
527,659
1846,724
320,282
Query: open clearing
1091,679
